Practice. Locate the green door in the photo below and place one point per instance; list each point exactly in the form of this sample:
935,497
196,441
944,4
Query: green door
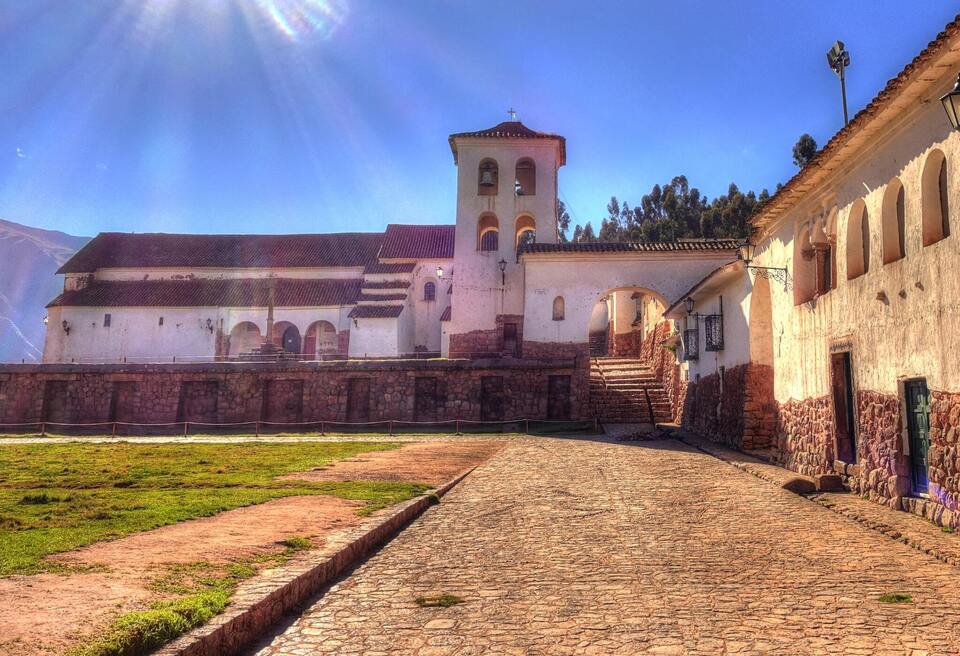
918,431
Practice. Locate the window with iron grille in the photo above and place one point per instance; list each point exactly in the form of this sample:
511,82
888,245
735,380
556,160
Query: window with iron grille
713,326
691,344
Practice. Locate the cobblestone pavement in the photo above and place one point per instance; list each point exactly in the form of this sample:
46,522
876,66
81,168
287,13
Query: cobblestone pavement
591,547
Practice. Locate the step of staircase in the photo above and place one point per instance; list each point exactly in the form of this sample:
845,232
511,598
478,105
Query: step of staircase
626,390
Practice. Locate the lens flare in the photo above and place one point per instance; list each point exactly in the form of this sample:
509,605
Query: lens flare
300,19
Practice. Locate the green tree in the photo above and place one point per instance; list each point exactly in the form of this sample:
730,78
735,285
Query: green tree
804,150
563,222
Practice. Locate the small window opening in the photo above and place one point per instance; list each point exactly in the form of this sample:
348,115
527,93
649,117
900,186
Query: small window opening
106,320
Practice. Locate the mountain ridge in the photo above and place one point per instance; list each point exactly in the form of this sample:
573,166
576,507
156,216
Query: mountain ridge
29,259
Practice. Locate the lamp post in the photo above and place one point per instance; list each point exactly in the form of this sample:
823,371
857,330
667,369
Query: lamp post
839,59
951,104
746,252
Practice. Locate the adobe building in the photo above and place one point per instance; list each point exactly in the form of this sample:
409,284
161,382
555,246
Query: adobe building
836,349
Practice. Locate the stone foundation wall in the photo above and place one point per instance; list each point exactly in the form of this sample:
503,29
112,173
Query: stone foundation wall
665,367
629,345
759,408
235,392
882,470
944,453
743,416
486,342
805,436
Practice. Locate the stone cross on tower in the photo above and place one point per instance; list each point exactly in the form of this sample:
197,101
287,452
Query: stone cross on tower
512,113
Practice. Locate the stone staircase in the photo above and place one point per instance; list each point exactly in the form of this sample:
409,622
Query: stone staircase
625,390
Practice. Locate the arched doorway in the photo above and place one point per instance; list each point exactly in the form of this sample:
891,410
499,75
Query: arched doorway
320,340
287,336
245,337
622,319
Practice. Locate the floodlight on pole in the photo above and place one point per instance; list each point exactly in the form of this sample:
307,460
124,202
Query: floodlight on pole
839,59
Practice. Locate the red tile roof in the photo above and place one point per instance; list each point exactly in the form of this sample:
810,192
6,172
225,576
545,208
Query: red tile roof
401,267
148,250
418,242
509,130
634,247
212,293
446,313
386,284
381,297
376,311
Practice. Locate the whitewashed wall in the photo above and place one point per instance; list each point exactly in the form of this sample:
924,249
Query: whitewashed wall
910,330
583,279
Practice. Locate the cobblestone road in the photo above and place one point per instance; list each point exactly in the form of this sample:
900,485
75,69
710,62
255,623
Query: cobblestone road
580,547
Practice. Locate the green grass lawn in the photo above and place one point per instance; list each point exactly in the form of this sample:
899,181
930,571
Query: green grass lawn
57,497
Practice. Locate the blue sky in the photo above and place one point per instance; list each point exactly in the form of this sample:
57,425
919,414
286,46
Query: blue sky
333,115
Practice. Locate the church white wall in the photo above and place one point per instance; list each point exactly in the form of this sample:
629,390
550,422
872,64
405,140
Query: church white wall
426,314
376,338
899,318
134,334
583,280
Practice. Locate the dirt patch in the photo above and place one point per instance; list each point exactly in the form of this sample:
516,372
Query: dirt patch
45,613
233,534
421,462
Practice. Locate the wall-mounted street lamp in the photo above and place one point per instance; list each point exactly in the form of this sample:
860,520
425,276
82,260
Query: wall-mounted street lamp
503,272
66,326
688,305
780,274
440,272
951,104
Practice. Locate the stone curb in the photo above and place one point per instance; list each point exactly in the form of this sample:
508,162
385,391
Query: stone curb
265,600
753,466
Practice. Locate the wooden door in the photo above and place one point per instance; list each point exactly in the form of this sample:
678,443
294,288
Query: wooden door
918,432
510,339
841,382
358,400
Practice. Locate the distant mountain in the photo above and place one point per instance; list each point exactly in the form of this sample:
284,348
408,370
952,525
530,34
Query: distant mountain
29,258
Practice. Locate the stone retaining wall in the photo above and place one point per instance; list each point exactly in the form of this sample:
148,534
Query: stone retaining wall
486,341
805,436
742,414
665,367
317,391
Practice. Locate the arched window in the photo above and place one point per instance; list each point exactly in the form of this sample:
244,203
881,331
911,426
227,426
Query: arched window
429,291
934,196
488,229
526,230
526,177
858,241
804,267
893,220
558,308
488,178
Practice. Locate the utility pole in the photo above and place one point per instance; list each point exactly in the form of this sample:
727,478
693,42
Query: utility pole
839,59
